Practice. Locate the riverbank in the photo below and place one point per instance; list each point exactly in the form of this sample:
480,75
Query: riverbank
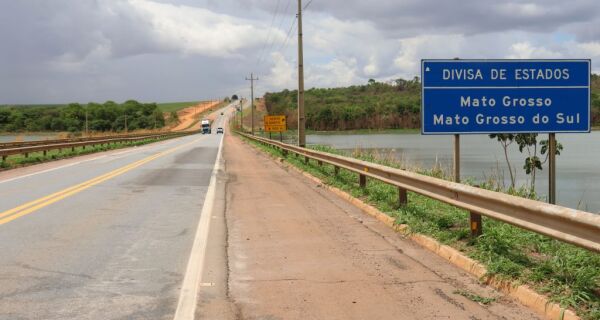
568,275
365,131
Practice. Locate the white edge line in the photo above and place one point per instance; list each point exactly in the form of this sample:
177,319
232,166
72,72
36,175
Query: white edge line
188,296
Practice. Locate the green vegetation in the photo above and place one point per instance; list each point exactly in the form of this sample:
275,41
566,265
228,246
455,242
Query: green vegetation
474,297
15,161
534,148
176,106
567,274
375,105
595,100
58,105
109,116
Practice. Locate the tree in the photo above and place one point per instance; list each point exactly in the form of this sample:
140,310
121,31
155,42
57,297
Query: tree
174,117
5,116
536,150
234,97
505,141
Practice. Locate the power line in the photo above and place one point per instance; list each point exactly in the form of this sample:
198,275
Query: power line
260,57
287,6
290,31
307,5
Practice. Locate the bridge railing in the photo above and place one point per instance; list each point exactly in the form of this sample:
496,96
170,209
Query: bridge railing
565,224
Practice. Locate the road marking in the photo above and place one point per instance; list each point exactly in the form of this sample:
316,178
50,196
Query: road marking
188,297
32,206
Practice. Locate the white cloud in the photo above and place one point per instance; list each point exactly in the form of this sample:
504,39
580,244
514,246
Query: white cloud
282,74
336,73
412,50
192,30
525,50
106,49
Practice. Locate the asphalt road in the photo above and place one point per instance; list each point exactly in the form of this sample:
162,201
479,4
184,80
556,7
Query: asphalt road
106,236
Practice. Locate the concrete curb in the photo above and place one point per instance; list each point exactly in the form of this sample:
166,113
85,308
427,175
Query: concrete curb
522,293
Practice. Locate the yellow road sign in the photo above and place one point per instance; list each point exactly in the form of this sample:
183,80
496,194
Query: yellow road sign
275,124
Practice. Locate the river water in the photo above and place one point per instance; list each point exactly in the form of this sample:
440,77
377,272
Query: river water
577,168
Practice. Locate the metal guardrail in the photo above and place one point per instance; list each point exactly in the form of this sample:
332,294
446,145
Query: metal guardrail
565,224
48,146
8,145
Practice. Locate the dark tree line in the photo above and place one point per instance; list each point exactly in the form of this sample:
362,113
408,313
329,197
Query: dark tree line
108,116
374,105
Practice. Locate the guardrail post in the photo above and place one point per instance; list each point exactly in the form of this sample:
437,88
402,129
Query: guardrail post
336,169
26,155
475,224
285,152
45,152
402,197
4,158
306,159
320,163
362,181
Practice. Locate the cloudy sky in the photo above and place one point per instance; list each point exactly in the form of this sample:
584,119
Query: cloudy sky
55,51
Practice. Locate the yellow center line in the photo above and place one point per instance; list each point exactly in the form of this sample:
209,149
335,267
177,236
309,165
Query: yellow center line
32,206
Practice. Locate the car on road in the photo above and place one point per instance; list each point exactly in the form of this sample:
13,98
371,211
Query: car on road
219,130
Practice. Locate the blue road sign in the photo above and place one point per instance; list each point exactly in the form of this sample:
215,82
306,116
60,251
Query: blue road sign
505,96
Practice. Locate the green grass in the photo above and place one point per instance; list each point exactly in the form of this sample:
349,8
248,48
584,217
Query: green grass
569,275
474,297
176,106
16,161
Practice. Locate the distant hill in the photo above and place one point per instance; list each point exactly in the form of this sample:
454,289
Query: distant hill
376,105
164,107
32,105
109,116
176,106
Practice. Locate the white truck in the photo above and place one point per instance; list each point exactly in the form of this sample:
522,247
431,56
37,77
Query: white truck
205,126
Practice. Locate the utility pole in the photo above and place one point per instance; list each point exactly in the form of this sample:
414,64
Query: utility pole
301,118
87,132
241,112
252,79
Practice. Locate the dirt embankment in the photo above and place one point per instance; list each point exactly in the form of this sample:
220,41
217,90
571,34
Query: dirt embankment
190,116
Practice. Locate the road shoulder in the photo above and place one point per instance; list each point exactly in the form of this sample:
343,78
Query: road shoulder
297,251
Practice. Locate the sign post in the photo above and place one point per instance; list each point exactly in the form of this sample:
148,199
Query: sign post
457,158
506,96
552,168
